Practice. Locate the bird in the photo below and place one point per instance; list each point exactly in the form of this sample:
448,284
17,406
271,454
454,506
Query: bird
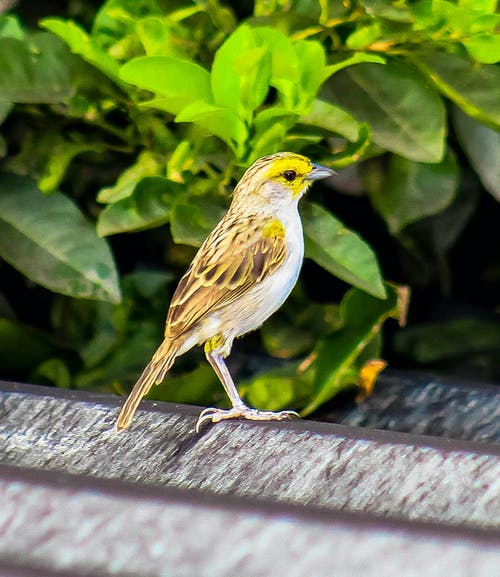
242,273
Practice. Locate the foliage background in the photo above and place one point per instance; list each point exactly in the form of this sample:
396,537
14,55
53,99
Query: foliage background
125,124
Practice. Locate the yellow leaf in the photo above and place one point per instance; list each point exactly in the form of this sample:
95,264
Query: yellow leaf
367,377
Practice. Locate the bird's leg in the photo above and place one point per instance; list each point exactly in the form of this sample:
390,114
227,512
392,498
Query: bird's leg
239,409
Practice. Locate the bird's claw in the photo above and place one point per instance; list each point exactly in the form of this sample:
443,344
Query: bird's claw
214,415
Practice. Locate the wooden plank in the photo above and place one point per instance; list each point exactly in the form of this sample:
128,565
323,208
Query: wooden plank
426,405
20,568
319,465
84,526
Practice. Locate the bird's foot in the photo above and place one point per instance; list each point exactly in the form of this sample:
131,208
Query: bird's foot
213,415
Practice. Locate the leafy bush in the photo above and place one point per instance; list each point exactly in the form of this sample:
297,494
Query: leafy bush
144,115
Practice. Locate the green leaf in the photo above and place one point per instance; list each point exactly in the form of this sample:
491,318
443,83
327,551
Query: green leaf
411,191
22,347
54,371
198,387
389,10
484,48
254,70
312,71
177,81
147,164
448,19
116,19
126,361
10,27
59,160
352,152
221,16
270,117
356,58
364,36
330,117
34,152
218,120
484,23
143,303
149,206
241,73
479,5
268,141
285,70
473,87
482,147
119,339
363,316
38,70
294,329
181,160
405,115
297,141
81,43
148,285
283,340
5,110
103,335
192,223
340,251
158,36
438,342
277,389
49,240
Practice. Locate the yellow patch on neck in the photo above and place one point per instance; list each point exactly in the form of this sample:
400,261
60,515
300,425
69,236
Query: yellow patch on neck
273,229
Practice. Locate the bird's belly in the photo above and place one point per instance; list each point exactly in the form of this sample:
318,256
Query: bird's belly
253,308
262,302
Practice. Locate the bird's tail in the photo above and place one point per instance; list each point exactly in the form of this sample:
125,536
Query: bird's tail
153,374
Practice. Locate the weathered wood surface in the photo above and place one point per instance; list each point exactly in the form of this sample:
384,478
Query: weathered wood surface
295,498
8,569
428,405
323,465
84,526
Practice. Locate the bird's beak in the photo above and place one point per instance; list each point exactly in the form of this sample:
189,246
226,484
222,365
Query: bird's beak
319,172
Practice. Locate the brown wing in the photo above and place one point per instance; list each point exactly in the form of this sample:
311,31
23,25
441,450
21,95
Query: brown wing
237,255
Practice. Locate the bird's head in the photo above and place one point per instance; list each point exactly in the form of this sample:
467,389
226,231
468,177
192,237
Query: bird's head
282,177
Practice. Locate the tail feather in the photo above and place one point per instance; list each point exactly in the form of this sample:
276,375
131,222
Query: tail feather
153,374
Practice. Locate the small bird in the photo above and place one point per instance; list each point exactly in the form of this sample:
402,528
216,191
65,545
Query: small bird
241,275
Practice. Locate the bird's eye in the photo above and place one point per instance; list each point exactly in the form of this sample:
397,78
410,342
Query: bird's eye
290,175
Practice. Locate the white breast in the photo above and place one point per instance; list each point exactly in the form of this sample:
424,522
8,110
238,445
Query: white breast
265,298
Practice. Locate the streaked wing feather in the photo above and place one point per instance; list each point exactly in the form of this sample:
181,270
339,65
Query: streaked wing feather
233,259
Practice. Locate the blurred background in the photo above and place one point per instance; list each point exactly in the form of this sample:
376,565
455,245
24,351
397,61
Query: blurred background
124,126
